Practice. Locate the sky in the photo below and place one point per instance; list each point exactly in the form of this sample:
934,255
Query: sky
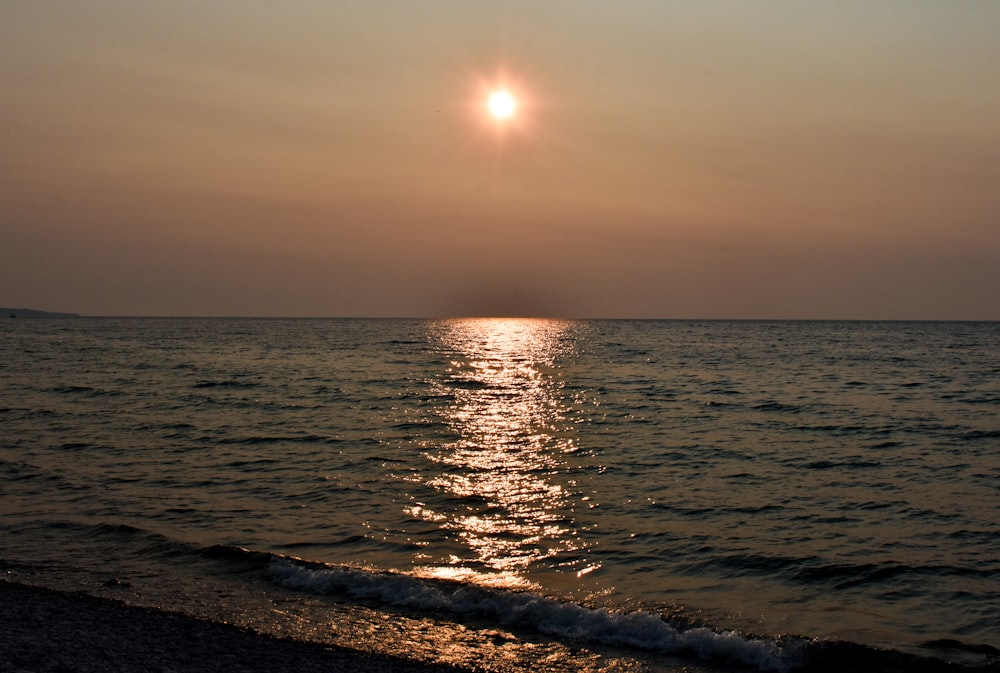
769,159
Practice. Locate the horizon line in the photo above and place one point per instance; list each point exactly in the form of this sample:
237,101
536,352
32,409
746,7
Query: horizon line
70,316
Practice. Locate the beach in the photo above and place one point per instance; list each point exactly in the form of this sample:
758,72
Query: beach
49,631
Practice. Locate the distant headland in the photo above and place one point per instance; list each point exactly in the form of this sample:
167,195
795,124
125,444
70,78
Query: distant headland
32,313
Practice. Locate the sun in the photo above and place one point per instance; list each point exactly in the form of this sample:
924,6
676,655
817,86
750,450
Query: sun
501,104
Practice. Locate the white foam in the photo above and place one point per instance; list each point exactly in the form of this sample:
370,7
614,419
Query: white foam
638,629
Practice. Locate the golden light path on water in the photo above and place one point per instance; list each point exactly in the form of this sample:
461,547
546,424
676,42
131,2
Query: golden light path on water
505,491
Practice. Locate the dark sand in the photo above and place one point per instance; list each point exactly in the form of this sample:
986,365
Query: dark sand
44,631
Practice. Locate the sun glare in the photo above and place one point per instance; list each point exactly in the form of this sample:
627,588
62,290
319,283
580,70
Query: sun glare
502,104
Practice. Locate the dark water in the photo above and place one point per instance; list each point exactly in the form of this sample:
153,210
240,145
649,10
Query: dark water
588,494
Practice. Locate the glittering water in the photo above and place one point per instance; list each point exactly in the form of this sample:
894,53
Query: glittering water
834,480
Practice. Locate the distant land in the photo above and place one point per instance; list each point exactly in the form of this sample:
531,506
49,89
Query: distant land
32,313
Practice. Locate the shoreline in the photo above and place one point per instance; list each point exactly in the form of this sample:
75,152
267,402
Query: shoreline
44,630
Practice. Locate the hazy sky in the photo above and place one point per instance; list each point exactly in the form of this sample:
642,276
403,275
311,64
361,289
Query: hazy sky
771,159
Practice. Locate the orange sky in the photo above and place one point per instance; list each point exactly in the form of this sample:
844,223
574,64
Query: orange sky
720,160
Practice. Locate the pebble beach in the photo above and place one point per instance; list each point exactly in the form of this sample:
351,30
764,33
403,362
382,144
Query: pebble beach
46,631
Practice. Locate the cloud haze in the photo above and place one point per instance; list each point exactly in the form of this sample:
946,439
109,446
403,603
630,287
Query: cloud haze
775,160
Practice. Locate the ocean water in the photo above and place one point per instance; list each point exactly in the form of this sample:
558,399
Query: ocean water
521,494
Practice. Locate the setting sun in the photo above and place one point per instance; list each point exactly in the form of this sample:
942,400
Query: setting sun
502,104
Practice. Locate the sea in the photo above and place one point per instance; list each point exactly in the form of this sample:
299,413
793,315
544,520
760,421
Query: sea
521,494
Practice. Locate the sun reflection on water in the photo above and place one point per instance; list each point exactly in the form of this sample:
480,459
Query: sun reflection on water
505,499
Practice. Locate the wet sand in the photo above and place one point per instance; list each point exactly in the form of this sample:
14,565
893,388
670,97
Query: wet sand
44,631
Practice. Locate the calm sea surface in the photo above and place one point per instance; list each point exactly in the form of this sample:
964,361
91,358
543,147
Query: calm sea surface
556,495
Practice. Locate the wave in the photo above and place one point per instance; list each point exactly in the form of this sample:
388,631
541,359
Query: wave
274,439
810,572
851,463
772,405
640,629
226,384
534,615
85,391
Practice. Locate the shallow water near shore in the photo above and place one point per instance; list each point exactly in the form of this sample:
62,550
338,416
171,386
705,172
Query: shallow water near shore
558,495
